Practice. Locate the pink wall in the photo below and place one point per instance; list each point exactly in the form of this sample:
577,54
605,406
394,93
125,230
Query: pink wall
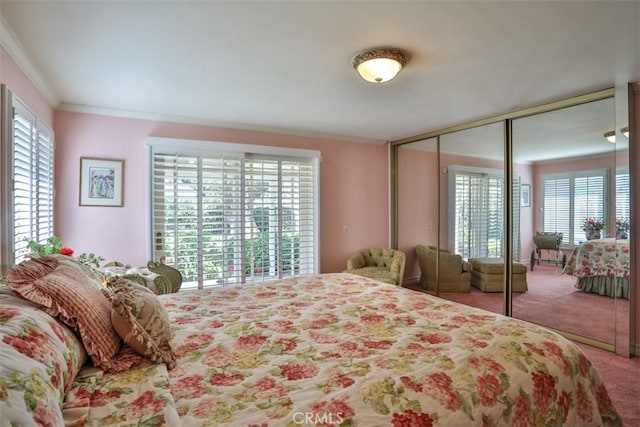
22,87
417,204
353,185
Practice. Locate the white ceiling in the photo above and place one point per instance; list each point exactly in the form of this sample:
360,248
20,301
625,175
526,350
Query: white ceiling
286,66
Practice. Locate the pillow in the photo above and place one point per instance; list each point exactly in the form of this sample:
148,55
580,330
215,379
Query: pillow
71,292
141,321
40,358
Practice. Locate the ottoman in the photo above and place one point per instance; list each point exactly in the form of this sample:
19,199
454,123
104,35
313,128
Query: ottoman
487,275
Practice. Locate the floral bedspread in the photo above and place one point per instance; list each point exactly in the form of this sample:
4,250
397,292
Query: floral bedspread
601,257
338,349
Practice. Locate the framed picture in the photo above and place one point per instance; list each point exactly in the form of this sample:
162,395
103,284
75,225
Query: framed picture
525,195
101,182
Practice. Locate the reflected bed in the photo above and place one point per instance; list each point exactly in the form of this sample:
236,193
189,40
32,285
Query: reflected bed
601,266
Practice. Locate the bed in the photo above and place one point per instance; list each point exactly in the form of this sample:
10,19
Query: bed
331,349
601,266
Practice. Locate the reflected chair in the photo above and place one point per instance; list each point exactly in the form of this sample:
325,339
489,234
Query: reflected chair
547,241
454,272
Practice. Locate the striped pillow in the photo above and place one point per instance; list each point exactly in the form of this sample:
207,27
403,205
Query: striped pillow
71,292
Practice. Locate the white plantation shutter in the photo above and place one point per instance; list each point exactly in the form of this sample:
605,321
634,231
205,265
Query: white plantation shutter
588,202
478,212
300,217
570,198
516,200
495,224
623,196
234,217
30,152
196,215
556,205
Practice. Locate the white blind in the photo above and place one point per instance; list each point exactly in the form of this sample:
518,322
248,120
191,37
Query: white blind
570,198
556,203
32,173
479,214
234,218
623,196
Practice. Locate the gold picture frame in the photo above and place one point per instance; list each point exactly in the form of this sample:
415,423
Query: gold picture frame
101,182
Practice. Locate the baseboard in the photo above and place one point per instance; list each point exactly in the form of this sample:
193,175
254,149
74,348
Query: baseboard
635,350
411,280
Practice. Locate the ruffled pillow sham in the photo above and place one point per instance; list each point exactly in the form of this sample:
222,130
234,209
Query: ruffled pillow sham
71,292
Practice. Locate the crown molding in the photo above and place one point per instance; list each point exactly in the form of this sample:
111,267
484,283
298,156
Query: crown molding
14,48
127,114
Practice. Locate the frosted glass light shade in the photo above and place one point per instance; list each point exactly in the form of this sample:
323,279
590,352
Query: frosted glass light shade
379,65
625,132
610,136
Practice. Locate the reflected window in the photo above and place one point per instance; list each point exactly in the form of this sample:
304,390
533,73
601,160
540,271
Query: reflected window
623,196
569,199
478,210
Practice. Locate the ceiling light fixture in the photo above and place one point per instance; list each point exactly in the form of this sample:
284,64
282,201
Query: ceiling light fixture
379,65
625,132
610,136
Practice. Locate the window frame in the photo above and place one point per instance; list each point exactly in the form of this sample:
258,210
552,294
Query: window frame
186,147
494,173
568,242
9,252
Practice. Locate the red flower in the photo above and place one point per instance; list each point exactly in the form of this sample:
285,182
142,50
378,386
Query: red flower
434,338
383,345
336,379
584,405
440,387
411,418
225,380
294,371
543,390
265,384
66,251
489,389
288,344
604,401
521,413
564,401
250,342
410,384
372,319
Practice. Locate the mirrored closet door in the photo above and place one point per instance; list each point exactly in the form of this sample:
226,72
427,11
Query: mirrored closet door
545,179
569,239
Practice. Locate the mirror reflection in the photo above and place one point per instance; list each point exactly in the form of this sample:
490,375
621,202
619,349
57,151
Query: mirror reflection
570,207
572,238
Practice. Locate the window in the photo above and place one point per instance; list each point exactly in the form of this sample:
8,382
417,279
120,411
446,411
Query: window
476,203
232,213
623,195
569,198
28,150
